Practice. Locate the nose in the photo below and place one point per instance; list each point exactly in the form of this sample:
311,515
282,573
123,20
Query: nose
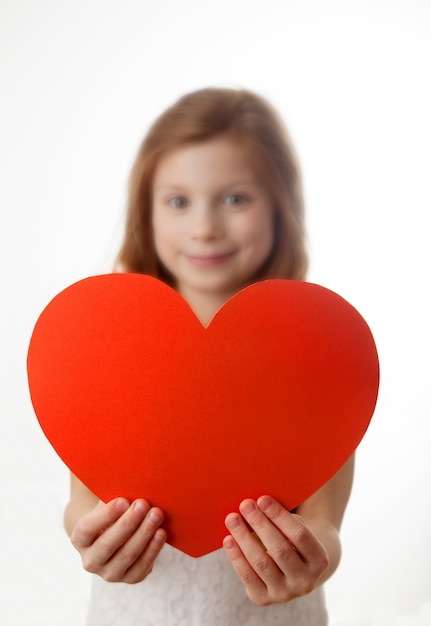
207,224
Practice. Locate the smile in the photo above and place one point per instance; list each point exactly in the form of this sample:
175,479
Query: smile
208,260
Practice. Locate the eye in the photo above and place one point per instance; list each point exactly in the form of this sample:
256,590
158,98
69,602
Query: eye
178,202
235,199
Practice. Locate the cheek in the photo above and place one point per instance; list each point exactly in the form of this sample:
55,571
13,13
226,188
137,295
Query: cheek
259,232
162,230
160,239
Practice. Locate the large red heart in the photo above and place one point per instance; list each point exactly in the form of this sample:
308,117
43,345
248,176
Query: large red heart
140,400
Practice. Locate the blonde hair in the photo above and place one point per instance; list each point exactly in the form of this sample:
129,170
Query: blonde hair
250,120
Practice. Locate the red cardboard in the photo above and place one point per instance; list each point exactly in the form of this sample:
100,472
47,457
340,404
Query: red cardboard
140,400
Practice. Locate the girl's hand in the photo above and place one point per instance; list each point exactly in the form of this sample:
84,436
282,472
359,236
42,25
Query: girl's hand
120,541
273,552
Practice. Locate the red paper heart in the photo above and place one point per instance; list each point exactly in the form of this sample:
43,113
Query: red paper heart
140,400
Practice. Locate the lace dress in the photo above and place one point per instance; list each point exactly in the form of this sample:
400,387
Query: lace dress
183,591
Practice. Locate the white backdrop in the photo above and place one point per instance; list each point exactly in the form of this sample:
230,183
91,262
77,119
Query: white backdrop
80,81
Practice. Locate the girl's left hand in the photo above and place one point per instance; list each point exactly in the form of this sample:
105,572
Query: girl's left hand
273,552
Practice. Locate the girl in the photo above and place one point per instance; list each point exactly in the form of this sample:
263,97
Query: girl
215,204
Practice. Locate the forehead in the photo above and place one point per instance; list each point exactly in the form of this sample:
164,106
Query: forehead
220,158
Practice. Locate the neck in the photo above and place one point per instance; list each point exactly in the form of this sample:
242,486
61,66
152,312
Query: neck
205,306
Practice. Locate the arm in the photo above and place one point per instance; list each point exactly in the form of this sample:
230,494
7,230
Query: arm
280,555
323,514
81,502
118,540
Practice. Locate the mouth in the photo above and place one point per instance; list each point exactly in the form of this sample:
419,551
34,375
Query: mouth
208,260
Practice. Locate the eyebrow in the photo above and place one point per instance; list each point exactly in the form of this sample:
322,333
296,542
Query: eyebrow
170,186
178,187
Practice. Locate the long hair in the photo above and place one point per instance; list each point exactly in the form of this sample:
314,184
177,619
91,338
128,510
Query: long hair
248,119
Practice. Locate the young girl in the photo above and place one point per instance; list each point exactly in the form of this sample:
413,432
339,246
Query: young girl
215,204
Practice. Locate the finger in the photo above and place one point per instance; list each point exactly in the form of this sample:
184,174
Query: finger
255,554
144,564
276,542
302,540
111,540
254,585
91,525
140,546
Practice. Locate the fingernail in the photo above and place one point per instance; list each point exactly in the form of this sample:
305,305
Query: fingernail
140,507
232,521
160,535
122,505
155,516
228,543
247,507
264,503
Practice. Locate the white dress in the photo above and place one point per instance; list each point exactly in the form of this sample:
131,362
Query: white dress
183,591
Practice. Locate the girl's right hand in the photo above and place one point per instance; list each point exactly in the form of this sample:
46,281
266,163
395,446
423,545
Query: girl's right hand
120,541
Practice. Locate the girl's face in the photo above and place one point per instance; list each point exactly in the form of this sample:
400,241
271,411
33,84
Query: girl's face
212,219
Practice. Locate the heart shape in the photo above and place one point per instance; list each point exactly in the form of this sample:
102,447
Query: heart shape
140,400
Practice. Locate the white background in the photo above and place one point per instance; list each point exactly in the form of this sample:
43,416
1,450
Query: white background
80,81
